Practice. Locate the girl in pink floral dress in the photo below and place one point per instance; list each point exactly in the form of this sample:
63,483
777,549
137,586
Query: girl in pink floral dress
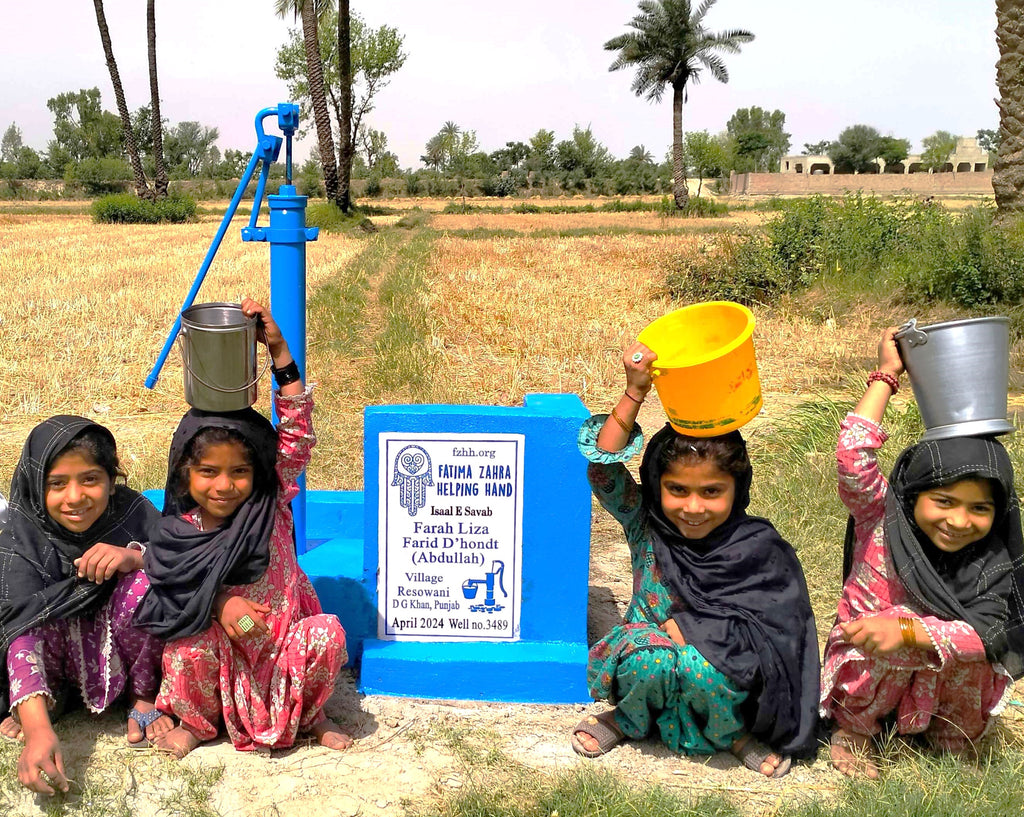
248,644
929,627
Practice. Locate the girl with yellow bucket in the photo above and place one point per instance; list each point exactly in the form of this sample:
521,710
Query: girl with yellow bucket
718,649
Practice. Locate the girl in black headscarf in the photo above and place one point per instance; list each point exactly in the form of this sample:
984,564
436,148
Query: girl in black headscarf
70,578
929,628
718,650
248,645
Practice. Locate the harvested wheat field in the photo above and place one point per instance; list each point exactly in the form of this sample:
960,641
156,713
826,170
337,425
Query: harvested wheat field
86,310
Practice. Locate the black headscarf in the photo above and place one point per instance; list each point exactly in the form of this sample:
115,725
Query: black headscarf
982,583
744,606
38,579
186,566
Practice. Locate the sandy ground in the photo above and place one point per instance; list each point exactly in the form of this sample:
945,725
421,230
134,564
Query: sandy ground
407,752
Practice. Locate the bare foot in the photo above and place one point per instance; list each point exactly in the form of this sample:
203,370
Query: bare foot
329,735
850,754
11,729
179,741
759,758
161,726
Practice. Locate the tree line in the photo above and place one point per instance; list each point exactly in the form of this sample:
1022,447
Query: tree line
335,66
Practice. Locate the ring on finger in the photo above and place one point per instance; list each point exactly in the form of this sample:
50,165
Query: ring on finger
637,357
245,623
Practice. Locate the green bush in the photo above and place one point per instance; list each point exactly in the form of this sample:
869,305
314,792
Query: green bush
738,267
100,176
917,252
125,208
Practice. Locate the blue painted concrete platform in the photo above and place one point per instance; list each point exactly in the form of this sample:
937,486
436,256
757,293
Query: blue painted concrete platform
547,664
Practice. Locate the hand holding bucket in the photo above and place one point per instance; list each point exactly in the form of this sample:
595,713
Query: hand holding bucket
218,350
960,372
705,372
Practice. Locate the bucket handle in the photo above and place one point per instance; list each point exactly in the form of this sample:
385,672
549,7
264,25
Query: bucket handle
249,385
911,334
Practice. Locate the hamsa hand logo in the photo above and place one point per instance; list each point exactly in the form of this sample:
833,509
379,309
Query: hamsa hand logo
412,476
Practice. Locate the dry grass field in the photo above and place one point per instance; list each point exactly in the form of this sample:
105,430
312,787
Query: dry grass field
86,309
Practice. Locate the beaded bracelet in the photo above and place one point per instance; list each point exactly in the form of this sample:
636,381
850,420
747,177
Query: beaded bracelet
621,422
286,374
889,380
631,397
907,631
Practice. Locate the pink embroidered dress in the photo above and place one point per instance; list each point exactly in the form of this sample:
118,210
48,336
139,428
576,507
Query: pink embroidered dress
949,692
266,689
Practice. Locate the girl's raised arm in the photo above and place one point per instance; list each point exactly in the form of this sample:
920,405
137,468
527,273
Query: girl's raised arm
882,382
614,434
286,373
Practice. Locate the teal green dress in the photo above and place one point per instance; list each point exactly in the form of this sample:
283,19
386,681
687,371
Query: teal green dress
637,667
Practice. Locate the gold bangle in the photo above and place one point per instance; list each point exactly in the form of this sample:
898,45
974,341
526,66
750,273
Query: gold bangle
622,423
907,630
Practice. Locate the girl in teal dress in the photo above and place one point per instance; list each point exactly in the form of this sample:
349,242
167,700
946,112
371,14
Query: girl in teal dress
718,650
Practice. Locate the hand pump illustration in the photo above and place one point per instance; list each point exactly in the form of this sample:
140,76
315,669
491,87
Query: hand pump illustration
471,586
216,326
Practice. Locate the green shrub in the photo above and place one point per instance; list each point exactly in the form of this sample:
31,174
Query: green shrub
738,267
328,217
100,176
412,184
417,217
914,251
125,208
373,186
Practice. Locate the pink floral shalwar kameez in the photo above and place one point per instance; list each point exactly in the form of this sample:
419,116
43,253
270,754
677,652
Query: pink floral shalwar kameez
265,689
950,692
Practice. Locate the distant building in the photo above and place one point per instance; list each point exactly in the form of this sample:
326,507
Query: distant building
967,158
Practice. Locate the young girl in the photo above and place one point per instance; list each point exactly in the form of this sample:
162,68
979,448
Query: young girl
718,650
929,621
70,579
248,643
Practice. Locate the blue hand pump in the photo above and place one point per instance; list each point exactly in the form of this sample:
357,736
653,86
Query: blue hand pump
287,235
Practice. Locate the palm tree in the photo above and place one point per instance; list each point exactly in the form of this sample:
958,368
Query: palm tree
670,46
347,149
131,148
310,11
1008,170
160,170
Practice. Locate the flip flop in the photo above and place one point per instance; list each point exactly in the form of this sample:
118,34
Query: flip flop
753,753
144,720
601,728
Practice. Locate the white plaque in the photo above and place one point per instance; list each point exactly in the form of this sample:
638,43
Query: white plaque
450,536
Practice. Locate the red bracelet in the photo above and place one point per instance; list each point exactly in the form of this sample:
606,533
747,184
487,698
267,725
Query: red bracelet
631,397
889,380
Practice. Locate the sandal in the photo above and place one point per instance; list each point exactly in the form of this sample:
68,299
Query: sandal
144,720
601,728
753,754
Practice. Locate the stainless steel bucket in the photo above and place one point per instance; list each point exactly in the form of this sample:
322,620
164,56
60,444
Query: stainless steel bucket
960,372
218,350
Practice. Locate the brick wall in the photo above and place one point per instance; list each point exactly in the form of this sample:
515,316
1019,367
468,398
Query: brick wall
802,184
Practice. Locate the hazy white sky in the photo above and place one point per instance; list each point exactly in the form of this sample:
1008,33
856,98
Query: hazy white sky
505,70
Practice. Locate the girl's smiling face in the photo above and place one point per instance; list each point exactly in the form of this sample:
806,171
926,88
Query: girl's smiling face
220,481
77,491
957,515
696,496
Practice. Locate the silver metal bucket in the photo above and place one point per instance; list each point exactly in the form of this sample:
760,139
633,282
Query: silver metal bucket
960,371
218,350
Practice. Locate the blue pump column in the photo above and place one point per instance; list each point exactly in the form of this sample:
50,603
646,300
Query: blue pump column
287,234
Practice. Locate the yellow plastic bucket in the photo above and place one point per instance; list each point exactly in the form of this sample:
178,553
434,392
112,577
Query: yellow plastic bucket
706,372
